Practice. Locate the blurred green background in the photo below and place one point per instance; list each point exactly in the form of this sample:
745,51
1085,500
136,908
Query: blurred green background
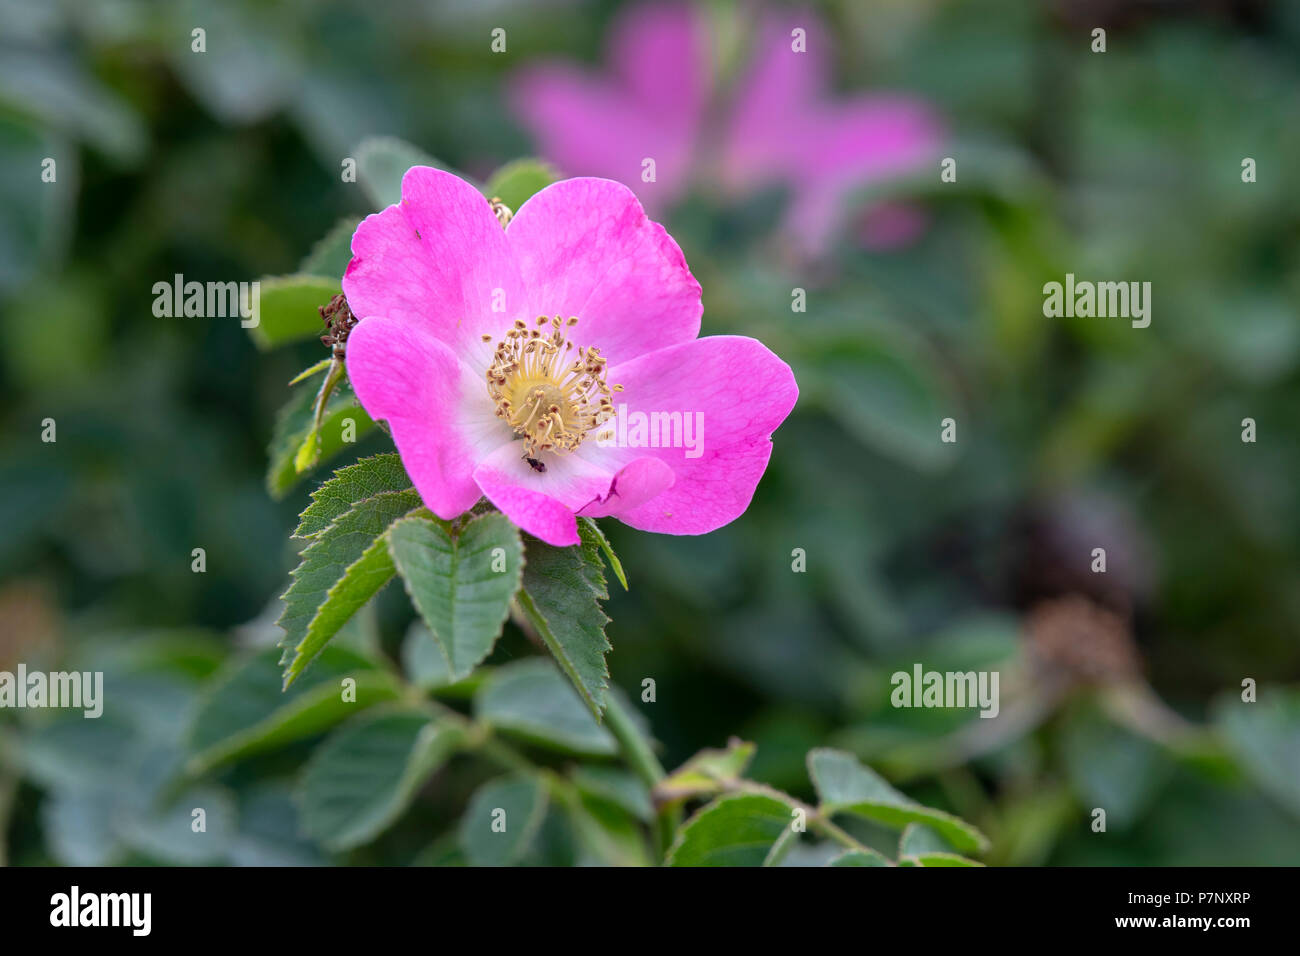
1119,690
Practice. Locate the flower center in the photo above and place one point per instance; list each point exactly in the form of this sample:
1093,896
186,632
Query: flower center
549,391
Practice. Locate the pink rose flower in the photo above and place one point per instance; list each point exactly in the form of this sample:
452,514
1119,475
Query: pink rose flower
781,127
554,366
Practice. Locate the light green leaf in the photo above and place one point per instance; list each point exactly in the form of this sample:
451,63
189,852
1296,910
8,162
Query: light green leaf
1265,737
363,479
846,786
460,583
288,306
891,395
531,699
615,564
918,839
330,256
859,858
422,659
166,833
364,776
738,829
619,787
339,572
246,709
382,162
516,181
501,821
60,94
294,426
707,772
561,596
941,859
1112,767
270,829
605,832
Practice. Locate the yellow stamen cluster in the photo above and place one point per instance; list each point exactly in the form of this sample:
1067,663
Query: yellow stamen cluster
550,401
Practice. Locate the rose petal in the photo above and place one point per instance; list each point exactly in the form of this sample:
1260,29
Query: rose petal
741,392
587,249
439,260
637,482
442,421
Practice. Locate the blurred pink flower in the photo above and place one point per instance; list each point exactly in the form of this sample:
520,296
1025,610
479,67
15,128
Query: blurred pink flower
781,127
468,346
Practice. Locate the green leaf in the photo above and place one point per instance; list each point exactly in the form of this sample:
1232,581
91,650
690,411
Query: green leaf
246,710
619,787
605,834
615,564
846,786
287,308
918,839
859,858
422,659
1112,767
502,820
941,859
294,427
363,479
382,161
891,395
531,699
516,181
459,583
738,829
1265,737
365,774
166,833
561,596
339,572
330,256
707,772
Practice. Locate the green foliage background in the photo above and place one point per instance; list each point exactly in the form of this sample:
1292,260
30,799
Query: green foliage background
1072,434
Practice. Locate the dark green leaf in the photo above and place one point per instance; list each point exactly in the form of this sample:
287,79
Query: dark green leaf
846,786
734,830
561,596
502,820
532,699
364,479
340,571
365,774
460,583
246,710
